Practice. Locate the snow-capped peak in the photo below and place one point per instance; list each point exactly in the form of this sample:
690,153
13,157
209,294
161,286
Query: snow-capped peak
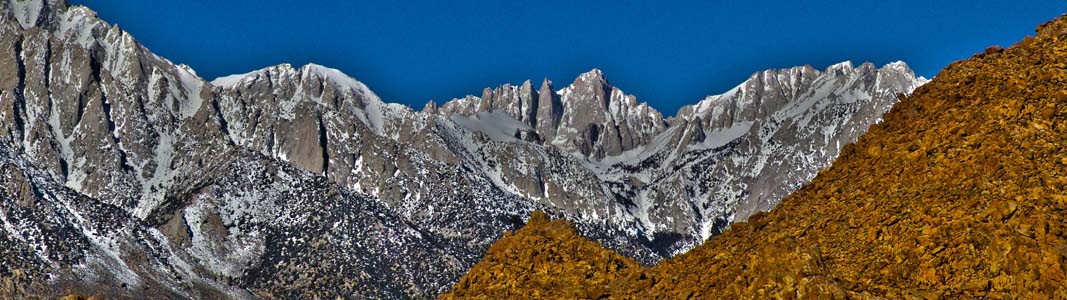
336,76
230,80
592,75
897,65
845,67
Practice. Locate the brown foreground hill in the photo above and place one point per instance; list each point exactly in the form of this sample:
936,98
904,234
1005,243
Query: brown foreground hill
959,193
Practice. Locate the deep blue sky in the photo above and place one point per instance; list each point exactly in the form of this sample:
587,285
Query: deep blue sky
668,53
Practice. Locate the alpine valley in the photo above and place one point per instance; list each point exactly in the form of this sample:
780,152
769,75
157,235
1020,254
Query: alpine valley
129,176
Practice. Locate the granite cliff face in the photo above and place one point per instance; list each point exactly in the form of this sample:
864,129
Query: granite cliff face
262,185
957,194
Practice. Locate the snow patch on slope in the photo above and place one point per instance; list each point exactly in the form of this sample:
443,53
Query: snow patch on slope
27,12
192,86
720,137
499,126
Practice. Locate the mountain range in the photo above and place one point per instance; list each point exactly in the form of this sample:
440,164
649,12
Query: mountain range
129,175
957,194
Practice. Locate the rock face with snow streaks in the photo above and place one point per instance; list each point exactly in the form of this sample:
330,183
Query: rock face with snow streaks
678,182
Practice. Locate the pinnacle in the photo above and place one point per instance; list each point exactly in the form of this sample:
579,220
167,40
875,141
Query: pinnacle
546,84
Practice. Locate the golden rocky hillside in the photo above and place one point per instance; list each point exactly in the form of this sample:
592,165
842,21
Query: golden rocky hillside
958,194
561,262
